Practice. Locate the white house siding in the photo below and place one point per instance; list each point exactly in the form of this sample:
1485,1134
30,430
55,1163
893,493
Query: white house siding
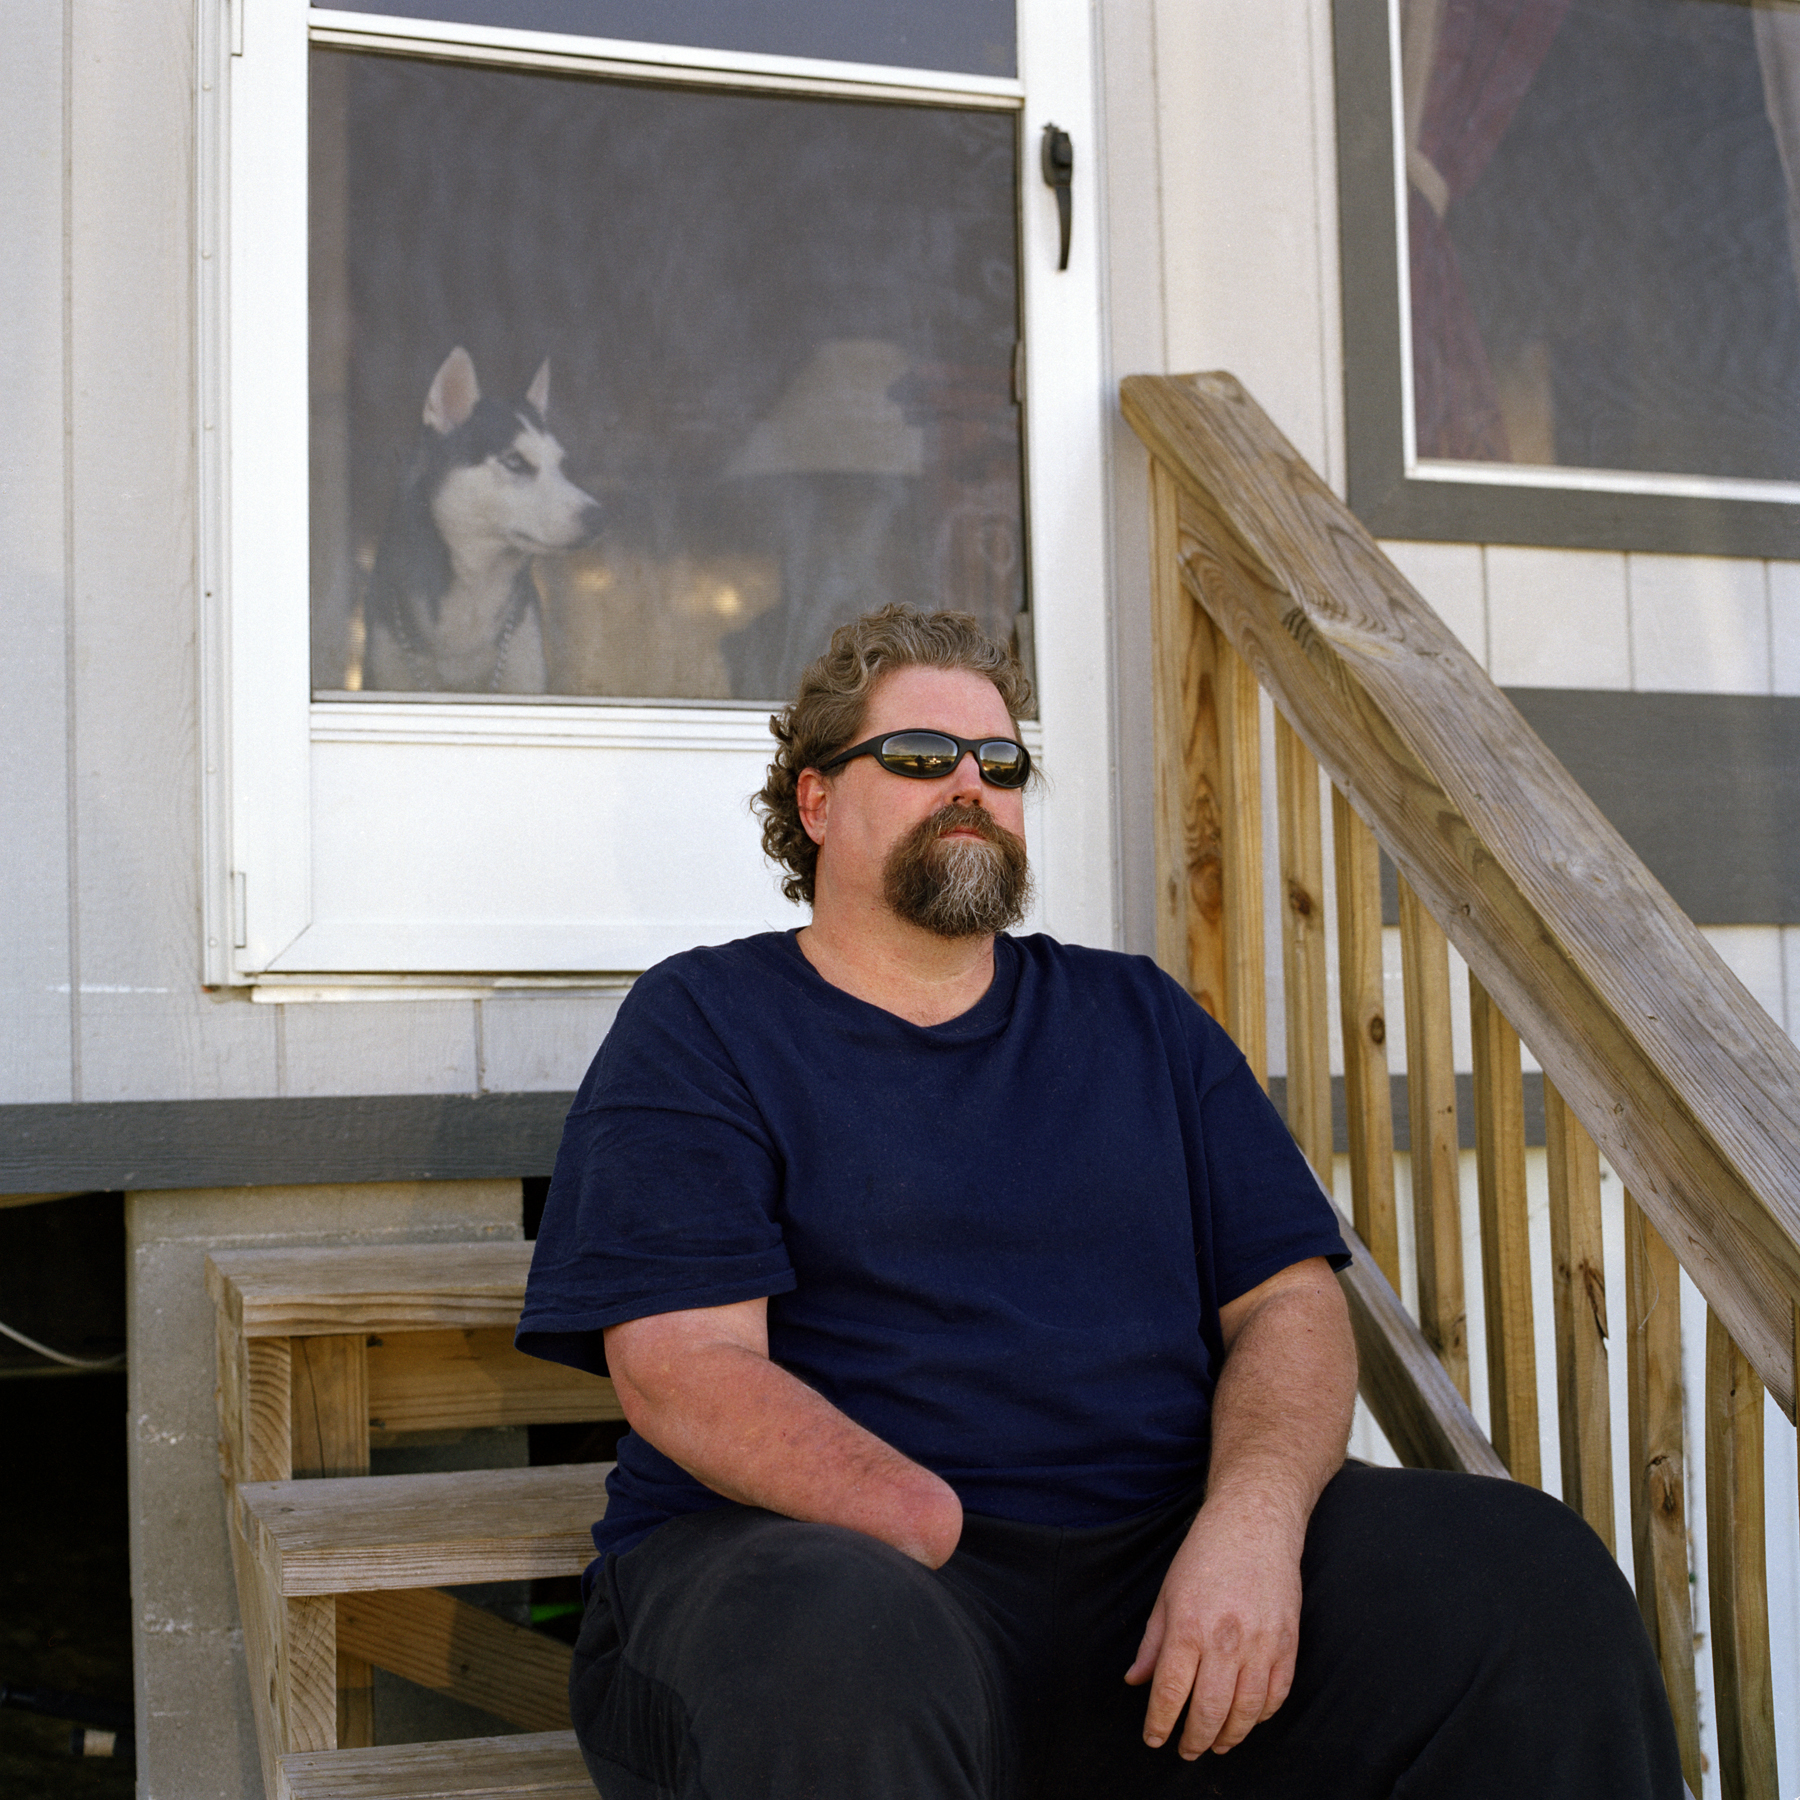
34,806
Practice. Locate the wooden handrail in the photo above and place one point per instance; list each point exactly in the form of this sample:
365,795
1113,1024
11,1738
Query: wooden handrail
1688,1087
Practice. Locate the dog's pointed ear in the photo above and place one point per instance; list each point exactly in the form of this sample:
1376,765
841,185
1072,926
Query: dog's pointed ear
539,391
454,391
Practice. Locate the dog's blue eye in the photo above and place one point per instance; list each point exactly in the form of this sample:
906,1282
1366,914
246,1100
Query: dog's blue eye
519,465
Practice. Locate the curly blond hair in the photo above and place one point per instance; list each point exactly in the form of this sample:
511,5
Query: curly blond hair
825,715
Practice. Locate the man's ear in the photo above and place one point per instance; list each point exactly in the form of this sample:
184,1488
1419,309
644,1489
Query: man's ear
813,792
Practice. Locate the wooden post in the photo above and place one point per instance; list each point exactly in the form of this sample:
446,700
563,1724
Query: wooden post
1303,949
1436,1152
1190,939
1362,1004
1578,1274
1737,1579
331,1437
1505,1243
1659,1547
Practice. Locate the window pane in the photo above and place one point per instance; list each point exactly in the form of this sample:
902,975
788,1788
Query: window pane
778,335
1600,222
974,37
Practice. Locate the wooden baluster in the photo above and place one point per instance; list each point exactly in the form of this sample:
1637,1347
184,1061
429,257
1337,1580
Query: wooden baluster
331,1437
1436,1152
1362,1005
1505,1243
1737,1580
1190,938
1209,931
1659,1546
1240,818
1303,949
1578,1272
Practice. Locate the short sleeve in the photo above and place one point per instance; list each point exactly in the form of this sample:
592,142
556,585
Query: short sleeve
664,1194
1266,1209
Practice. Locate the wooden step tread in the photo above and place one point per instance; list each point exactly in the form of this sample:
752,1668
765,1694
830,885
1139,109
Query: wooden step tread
353,1533
310,1292
540,1765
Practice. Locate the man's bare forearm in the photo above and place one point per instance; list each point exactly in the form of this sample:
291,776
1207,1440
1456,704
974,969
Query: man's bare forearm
1222,1638
749,1430
1281,1415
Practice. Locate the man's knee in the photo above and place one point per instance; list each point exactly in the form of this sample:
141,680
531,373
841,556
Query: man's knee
788,1643
1489,1561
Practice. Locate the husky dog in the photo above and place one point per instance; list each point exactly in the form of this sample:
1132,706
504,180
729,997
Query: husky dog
452,605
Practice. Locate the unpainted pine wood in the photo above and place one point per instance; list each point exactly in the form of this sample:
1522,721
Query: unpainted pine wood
306,1708
355,1697
1659,1542
1400,1378
334,1289
268,1390
330,1405
330,1423
1505,1243
453,1648
1436,1148
1303,949
436,1380
1578,1276
1190,941
1241,821
1737,1577
543,1765
410,1531
1362,1007
1691,1091
256,1613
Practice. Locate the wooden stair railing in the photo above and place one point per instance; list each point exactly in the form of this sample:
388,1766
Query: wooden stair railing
1653,1054
323,1352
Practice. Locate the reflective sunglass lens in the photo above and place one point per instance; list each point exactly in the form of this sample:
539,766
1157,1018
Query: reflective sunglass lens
1002,763
922,753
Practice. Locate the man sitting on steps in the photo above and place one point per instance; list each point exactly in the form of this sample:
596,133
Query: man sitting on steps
974,1316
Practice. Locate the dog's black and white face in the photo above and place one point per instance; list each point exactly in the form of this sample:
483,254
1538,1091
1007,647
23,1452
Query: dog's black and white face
501,483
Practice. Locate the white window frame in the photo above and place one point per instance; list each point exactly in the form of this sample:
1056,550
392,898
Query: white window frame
273,754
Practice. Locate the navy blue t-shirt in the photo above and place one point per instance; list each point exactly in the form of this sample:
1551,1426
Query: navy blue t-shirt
1001,1244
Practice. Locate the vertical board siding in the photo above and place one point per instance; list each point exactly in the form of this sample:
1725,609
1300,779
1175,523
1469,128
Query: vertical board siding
1558,618
34,786
1249,164
145,1028
383,1047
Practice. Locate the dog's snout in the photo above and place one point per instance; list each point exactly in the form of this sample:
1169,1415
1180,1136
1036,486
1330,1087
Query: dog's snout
591,519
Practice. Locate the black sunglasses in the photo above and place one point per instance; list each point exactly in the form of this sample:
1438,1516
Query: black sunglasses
927,755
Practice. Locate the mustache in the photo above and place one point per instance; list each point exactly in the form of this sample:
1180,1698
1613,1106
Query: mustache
955,817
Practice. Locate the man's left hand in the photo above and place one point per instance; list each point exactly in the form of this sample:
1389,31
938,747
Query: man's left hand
1224,1631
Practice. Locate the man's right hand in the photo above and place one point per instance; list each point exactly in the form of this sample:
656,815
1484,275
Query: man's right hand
700,1386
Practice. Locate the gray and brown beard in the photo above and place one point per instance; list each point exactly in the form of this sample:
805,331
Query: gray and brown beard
954,888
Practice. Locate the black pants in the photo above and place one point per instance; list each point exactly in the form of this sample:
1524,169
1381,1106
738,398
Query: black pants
1459,1637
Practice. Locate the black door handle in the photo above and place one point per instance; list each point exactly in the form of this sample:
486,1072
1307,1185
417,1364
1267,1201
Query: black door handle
1059,172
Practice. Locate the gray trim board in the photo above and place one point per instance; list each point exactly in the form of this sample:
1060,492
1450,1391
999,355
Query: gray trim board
1704,787
1465,1110
140,1145
146,1144
1467,512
